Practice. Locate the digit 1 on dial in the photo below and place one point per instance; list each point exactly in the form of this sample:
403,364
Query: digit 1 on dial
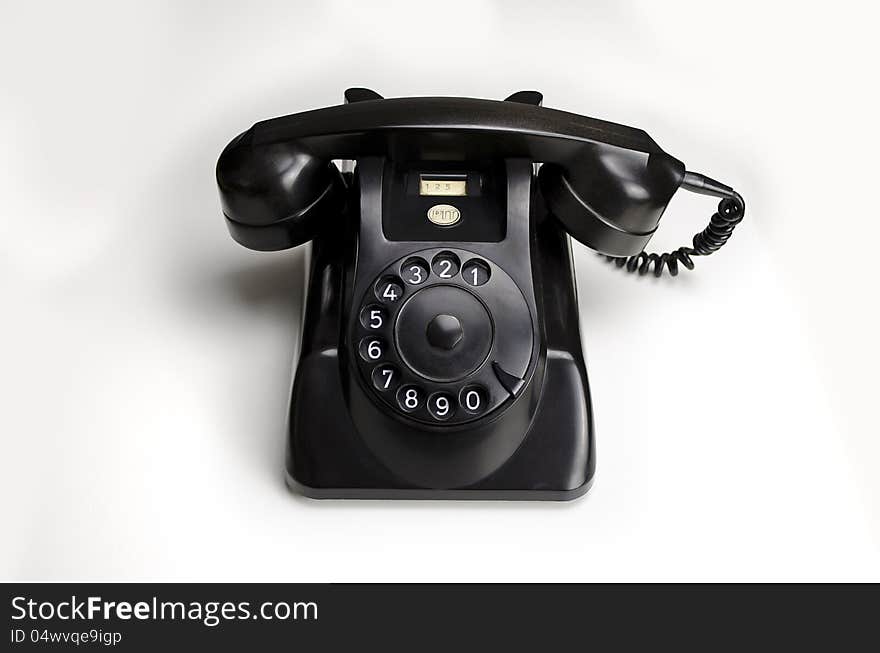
475,272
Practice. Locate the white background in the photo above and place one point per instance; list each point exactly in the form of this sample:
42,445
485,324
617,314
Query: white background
146,357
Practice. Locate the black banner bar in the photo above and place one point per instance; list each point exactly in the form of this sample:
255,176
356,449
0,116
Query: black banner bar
146,617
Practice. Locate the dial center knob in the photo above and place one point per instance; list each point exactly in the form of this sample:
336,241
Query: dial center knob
444,331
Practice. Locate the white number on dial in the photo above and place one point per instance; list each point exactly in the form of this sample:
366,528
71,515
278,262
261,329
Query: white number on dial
441,406
446,269
475,272
445,265
390,292
387,377
374,350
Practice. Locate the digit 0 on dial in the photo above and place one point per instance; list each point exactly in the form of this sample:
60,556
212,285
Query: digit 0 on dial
474,399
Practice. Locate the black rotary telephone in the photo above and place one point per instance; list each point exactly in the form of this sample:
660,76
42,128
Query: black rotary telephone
441,355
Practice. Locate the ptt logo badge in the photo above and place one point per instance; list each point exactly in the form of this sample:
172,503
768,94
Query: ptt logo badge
444,215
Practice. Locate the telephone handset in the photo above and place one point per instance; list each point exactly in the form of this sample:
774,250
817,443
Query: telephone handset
441,355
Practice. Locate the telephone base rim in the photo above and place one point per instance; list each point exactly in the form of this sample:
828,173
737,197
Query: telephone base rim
426,494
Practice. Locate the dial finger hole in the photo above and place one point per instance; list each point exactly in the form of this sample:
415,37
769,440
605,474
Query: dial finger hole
475,272
415,271
474,399
410,398
389,289
372,349
446,265
441,406
385,378
373,317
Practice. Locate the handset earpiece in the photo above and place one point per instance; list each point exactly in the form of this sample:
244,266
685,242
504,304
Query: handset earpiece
611,199
276,195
